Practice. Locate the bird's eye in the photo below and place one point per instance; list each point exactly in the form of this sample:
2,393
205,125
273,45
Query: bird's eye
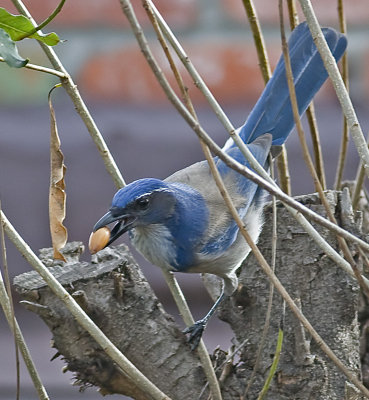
142,203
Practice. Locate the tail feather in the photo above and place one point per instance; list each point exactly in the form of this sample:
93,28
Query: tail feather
273,112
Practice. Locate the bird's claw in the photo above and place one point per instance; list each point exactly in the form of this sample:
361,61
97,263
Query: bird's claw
195,332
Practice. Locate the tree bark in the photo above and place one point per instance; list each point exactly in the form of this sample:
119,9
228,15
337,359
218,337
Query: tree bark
115,294
328,298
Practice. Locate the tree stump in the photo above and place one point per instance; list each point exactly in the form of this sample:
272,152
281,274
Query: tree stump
115,294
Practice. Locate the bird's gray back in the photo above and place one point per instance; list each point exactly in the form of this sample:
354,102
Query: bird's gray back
199,177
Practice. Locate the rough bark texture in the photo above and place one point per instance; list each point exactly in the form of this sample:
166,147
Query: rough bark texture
328,298
115,294
118,298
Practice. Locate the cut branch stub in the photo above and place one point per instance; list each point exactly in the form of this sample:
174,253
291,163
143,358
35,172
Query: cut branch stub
115,294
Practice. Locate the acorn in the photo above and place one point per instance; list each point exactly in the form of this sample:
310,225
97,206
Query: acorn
99,239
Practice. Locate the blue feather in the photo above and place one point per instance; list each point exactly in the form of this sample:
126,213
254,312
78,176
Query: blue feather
273,113
135,190
187,225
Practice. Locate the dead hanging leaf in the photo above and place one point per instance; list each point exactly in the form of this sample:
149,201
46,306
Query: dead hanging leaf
57,195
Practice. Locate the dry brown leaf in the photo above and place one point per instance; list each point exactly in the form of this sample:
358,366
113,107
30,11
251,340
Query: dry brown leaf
57,195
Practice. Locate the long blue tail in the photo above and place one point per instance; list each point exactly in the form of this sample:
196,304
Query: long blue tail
273,112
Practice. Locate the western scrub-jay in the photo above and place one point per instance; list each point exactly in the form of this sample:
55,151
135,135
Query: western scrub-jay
182,223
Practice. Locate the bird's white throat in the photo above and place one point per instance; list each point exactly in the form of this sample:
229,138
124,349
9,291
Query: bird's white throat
155,243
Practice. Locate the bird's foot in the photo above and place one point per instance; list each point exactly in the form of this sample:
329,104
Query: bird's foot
195,332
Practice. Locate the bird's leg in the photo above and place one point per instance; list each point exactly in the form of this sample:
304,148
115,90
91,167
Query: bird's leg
196,330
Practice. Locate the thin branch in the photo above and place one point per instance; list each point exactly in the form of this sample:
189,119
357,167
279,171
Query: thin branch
276,357
310,112
10,299
345,77
258,39
40,68
45,22
359,181
282,160
292,13
81,317
5,304
8,307
283,171
187,317
80,106
338,84
317,148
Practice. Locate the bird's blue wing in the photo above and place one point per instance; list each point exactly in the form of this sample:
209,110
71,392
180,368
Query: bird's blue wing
238,187
273,113
260,149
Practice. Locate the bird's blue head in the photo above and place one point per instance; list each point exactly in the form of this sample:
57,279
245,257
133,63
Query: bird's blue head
142,202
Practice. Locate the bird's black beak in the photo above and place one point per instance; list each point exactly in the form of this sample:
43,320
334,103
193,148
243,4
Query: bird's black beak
124,224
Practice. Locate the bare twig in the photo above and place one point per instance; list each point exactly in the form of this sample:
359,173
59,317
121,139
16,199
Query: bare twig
292,13
10,299
40,68
338,84
359,181
188,319
83,319
5,303
345,131
282,160
258,40
310,112
317,148
276,357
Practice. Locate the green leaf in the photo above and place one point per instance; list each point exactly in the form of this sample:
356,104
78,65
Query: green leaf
18,27
9,51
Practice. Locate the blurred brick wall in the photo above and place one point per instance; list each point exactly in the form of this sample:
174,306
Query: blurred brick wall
103,57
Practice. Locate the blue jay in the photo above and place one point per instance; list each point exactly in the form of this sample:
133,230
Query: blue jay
181,223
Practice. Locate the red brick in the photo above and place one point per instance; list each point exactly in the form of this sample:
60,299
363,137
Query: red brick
266,10
118,75
97,13
230,70
357,11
